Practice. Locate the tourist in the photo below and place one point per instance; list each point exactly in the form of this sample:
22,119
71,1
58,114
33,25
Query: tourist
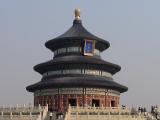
50,115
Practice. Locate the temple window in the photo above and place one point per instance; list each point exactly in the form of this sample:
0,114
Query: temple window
79,71
73,49
67,50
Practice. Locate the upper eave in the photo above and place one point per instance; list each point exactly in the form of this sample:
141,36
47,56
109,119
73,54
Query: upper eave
77,32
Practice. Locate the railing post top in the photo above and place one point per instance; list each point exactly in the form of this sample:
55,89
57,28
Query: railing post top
94,105
39,106
17,106
102,106
47,107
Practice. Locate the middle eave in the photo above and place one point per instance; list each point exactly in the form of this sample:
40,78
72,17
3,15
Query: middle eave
42,67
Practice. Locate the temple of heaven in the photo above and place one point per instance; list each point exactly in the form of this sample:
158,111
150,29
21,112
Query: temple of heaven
77,75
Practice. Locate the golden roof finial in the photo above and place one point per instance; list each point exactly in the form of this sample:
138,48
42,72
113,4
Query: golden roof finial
77,14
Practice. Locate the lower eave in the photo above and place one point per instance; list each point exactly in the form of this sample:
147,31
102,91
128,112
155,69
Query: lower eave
98,82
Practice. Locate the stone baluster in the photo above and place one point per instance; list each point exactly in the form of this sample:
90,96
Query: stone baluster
40,114
76,115
69,106
30,115
109,115
47,107
2,114
87,115
119,113
20,115
11,116
102,106
17,106
94,106
98,115
24,106
39,106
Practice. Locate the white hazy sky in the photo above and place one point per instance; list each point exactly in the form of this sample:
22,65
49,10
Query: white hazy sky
131,26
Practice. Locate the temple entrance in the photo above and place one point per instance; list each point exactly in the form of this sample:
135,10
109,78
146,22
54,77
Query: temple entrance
72,102
95,103
113,103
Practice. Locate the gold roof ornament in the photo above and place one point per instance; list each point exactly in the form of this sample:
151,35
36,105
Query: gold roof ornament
77,14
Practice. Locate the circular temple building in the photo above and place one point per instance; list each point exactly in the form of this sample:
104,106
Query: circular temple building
77,75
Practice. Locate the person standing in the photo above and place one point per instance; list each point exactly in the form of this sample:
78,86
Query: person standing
50,115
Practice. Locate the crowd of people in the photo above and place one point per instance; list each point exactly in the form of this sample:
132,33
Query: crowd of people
155,111
142,110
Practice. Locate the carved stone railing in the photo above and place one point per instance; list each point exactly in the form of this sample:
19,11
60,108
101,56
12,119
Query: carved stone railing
101,110
23,113
102,113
